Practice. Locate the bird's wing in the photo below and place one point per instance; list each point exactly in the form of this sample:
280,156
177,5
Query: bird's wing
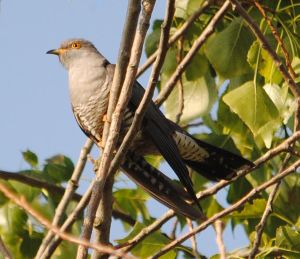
157,127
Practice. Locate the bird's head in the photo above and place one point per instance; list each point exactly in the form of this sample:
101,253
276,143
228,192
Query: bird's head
73,50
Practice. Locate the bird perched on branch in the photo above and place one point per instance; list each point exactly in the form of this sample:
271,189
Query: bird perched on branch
90,79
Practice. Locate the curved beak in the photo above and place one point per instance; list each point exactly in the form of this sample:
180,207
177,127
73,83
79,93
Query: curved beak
54,52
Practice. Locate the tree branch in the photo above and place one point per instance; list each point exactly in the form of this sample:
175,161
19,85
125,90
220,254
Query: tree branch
4,251
181,31
264,43
68,194
219,228
22,202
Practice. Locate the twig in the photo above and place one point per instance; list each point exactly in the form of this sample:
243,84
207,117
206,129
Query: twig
219,228
103,218
22,202
174,227
263,221
68,194
68,223
284,146
181,31
277,37
133,11
193,240
116,124
168,87
232,208
29,180
264,43
4,251
180,85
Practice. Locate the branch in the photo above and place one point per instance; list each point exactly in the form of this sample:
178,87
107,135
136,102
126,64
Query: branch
68,194
264,43
263,221
277,37
22,202
181,31
116,124
29,180
219,228
168,87
4,251
133,11
193,240
232,208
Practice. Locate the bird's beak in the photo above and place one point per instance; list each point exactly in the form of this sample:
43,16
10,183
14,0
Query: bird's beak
55,51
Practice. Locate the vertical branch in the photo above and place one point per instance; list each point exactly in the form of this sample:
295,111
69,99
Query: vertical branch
264,43
263,221
103,218
193,240
219,227
277,37
69,192
4,251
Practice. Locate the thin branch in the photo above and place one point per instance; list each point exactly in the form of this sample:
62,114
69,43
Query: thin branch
103,218
133,11
181,31
29,180
277,37
116,124
4,251
232,208
23,203
264,43
193,240
168,87
180,84
68,194
263,221
219,228
284,146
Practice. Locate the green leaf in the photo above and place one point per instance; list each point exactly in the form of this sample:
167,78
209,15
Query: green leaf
31,158
228,49
255,108
59,168
132,201
199,96
197,67
252,210
152,40
238,189
265,63
30,243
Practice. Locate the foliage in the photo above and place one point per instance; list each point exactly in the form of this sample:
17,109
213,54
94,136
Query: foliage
245,106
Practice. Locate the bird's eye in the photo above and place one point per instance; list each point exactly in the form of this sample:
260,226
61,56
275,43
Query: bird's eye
76,45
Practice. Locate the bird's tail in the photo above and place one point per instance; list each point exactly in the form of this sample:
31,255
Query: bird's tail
160,186
212,162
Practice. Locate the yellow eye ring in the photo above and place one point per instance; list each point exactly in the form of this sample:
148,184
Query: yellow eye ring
76,45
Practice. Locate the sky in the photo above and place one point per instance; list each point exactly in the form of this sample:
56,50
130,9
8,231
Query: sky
35,111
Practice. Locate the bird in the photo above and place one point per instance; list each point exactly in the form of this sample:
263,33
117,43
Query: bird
90,77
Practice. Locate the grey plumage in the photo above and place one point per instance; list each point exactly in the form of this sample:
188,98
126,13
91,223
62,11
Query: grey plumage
90,78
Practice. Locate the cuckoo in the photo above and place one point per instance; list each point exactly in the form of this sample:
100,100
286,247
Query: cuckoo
90,78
